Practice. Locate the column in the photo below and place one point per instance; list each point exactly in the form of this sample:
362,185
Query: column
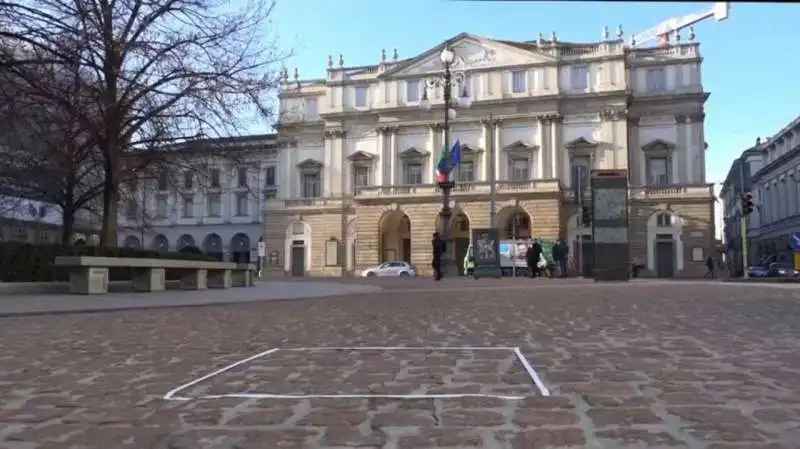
555,145
433,159
484,169
540,172
327,161
344,174
498,124
685,150
699,164
380,169
393,156
285,180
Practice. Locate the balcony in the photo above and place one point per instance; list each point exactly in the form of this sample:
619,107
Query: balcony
330,203
644,193
460,189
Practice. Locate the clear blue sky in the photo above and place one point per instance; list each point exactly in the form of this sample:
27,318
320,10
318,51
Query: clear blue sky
751,64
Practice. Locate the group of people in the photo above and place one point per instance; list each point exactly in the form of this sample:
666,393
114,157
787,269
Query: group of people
538,265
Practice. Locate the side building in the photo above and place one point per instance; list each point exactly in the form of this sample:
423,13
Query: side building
737,183
358,168
210,196
776,192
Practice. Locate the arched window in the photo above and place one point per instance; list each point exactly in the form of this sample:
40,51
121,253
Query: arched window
665,220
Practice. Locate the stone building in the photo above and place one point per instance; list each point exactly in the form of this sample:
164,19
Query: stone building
737,183
356,179
776,194
210,198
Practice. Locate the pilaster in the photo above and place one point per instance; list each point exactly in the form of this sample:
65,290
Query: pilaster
392,155
336,172
380,166
556,145
498,172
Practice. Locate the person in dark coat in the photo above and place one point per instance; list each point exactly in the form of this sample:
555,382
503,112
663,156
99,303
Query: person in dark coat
563,257
532,257
437,246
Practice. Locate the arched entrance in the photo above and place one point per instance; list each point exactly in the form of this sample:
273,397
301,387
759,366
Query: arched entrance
212,245
395,236
185,241
298,248
664,244
514,222
160,243
240,248
460,232
132,241
579,241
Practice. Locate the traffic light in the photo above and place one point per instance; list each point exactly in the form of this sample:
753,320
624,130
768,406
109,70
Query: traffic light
586,215
747,203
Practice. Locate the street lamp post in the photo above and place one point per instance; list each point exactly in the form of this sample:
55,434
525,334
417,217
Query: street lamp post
447,80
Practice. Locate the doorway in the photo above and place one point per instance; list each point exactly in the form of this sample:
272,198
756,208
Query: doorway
665,256
298,262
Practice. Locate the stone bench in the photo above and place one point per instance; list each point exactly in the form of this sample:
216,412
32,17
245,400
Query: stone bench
89,275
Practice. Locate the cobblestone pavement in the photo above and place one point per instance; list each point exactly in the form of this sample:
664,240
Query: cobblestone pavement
646,365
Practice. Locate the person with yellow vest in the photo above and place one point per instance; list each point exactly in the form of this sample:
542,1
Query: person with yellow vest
469,263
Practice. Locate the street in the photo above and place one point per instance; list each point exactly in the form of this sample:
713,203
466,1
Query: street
420,365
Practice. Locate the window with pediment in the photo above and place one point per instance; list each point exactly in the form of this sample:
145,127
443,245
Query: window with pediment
465,172
413,162
581,154
658,162
520,157
311,178
361,169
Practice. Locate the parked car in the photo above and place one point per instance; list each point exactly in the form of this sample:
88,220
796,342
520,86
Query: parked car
395,268
774,269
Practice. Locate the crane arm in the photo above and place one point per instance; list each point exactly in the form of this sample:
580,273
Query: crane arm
719,11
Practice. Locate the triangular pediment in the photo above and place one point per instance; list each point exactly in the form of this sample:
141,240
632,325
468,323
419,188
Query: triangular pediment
581,143
413,152
361,156
310,164
470,149
659,145
520,145
471,52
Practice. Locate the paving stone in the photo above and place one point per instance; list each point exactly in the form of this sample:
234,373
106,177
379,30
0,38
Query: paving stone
648,364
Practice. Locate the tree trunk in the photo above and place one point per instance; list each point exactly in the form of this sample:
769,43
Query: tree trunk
67,225
108,235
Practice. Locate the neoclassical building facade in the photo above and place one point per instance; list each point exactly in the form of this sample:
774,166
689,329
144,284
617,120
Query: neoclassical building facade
358,155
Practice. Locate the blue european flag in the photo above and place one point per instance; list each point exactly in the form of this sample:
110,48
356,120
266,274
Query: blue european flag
455,153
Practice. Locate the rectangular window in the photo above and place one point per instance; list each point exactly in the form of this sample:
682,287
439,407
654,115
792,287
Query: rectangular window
132,210
215,178
465,172
44,236
311,185
188,206
413,173
162,180
188,180
656,80
161,206
658,171
412,90
269,176
311,108
519,169
579,77
241,177
361,96
20,234
241,204
360,177
518,81
214,204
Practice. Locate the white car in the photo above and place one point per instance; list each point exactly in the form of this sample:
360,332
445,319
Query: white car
395,268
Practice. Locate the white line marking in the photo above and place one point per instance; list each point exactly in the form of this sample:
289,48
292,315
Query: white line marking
172,392
355,396
532,372
400,348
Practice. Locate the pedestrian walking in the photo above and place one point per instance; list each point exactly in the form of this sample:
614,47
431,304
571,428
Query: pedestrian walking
532,257
710,266
437,247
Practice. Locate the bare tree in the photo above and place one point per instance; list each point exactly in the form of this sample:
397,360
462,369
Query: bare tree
162,71
44,154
